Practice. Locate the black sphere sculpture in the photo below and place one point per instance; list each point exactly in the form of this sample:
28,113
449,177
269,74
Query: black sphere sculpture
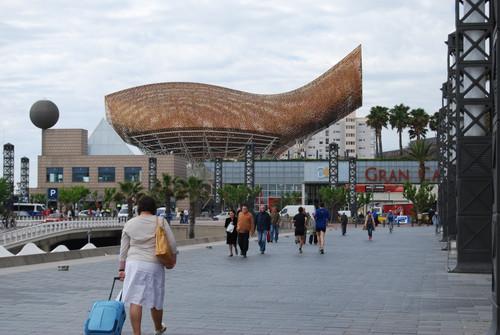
44,114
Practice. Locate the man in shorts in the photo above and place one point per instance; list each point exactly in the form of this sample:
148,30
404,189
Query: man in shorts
322,216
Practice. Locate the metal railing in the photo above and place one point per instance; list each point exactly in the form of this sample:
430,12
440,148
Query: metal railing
44,229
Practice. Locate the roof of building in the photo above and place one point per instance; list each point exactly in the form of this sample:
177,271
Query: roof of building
204,121
105,141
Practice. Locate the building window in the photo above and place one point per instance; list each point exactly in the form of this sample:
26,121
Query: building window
106,174
326,132
80,175
327,141
132,173
54,175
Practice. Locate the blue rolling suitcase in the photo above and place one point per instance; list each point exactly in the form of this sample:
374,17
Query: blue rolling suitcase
106,316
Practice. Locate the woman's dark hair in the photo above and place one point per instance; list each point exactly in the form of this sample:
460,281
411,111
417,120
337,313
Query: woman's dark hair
146,204
301,209
232,210
321,204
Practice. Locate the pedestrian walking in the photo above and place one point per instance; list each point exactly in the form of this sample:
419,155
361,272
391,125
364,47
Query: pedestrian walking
390,220
370,224
275,224
436,222
245,226
299,221
186,216
321,216
343,223
263,224
311,227
231,232
142,272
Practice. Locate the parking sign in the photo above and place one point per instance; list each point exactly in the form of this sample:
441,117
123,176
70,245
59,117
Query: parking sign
52,194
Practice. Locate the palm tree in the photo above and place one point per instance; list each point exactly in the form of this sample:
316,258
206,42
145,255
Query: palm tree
167,189
377,119
421,152
196,190
131,191
419,120
399,119
109,195
434,122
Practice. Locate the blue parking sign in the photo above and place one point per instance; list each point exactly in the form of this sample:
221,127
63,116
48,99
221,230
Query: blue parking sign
52,194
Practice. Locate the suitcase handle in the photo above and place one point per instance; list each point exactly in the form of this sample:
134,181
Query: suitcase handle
113,287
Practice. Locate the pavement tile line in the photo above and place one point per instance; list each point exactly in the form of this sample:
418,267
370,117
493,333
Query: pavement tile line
395,284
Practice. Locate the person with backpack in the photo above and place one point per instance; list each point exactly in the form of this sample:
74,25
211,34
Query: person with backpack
322,216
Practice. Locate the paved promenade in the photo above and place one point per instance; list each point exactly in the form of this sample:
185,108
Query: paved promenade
395,284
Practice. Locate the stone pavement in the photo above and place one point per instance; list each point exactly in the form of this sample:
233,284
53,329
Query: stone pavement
395,284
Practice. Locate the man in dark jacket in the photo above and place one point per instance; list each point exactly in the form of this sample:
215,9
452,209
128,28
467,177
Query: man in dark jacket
263,224
343,221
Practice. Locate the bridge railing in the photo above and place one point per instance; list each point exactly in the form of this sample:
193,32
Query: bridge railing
43,229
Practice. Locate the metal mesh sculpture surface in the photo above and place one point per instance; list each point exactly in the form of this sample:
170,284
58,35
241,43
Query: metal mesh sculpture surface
206,122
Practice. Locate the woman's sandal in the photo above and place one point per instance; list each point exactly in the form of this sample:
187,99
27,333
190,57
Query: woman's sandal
162,331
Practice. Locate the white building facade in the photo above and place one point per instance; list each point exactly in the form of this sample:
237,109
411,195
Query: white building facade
354,137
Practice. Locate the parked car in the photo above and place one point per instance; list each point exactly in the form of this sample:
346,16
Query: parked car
402,219
83,214
292,210
20,214
54,217
221,217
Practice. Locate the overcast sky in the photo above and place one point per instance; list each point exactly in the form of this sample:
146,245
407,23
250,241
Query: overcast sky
74,53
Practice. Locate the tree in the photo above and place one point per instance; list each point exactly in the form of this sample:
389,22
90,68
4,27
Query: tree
109,195
38,198
364,199
377,119
421,197
69,196
421,152
234,196
434,122
292,198
131,191
334,198
197,191
419,120
4,194
167,190
399,119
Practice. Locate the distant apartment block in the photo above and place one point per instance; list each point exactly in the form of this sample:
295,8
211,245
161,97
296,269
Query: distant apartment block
354,137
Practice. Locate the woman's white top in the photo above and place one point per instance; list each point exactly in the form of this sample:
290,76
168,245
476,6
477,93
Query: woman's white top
138,239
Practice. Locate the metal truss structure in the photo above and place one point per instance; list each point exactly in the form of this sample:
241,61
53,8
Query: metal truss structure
474,97
495,325
450,103
333,164
218,185
353,206
443,163
201,121
152,172
8,165
250,169
25,180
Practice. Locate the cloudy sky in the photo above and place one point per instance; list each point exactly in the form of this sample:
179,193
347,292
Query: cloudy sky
74,53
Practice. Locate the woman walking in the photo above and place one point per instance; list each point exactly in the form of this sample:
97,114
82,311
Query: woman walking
370,224
275,224
144,275
299,221
231,233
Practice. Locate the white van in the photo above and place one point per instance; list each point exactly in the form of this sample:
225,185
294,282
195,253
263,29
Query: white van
292,210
